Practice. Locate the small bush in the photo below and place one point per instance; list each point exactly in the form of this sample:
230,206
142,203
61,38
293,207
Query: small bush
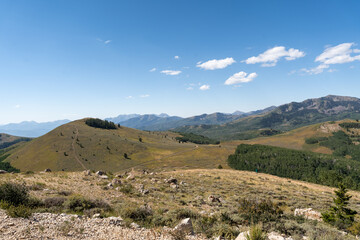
19,211
256,211
140,214
184,213
226,231
256,233
127,189
13,193
79,204
54,202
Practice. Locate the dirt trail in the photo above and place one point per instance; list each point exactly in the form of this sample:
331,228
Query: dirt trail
159,159
74,150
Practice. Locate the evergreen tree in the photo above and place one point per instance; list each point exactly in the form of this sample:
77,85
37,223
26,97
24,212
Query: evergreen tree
340,215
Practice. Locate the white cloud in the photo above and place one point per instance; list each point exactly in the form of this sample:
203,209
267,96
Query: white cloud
129,97
190,88
342,53
107,41
270,57
17,106
152,70
176,57
216,64
204,87
338,54
315,70
171,72
144,95
240,77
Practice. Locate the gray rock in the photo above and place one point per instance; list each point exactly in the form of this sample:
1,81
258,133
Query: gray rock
116,181
185,226
3,171
87,173
100,173
47,170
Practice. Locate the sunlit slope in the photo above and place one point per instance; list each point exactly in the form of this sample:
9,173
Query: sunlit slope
76,146
295,139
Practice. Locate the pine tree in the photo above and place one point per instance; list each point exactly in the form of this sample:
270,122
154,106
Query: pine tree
340,215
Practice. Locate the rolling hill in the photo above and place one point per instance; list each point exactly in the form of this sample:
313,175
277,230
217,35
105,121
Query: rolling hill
77,146
283,118
7,140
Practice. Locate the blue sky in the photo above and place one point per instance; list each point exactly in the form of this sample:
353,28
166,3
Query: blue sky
74,59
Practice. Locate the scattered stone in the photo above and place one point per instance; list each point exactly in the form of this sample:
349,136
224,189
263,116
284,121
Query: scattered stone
277,236
308,213
242,236
185,226
214,199
173,185
115,221
96,215
171,180
110,185
87,173
116,181
134,225
103,177
131,176
3,171
47,170
99,173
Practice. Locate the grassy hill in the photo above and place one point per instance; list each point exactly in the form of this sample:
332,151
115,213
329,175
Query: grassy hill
77,146
7,140
283,118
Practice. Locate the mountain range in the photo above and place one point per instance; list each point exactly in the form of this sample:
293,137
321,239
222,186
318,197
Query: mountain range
283,118
31,128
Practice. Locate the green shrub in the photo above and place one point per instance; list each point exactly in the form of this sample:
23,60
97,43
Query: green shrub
19,211
255,211
79,204
140,214
13,193
54,202
225,230
256,233
127,189
182,213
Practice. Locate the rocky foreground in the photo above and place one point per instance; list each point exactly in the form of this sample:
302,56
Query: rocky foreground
67,226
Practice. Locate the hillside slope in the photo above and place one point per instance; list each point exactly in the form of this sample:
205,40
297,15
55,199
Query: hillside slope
76,146
7,140
283,118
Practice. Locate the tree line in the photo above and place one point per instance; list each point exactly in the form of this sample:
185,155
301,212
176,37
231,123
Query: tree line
98,123
295,164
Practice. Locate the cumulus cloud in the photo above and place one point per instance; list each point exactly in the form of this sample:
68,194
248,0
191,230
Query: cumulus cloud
152,70
129,97
338,54
144,95
216,63
176,57
107,41
240,77
270,57
204,87
171,72
342,53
